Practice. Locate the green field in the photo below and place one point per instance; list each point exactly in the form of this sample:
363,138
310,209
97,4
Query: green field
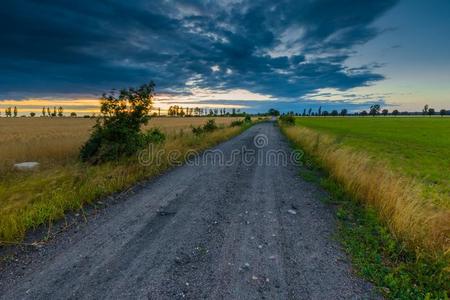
418,147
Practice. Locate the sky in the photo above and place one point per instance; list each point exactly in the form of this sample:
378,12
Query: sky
252,55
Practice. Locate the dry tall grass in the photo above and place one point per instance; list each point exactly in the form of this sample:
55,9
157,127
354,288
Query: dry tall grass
397,199
53,141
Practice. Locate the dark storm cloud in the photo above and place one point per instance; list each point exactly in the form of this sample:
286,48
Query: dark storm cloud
285,49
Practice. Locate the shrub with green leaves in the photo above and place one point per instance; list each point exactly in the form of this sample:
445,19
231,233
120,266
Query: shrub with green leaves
209,126
117,132
197,130
154,136
237,123
288,119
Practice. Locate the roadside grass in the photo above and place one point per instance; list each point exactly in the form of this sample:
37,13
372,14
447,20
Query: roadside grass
398,199
396,271
28,200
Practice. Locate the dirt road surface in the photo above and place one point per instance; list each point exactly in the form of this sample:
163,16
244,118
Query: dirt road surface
240,228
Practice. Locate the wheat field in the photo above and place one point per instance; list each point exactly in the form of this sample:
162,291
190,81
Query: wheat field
52,141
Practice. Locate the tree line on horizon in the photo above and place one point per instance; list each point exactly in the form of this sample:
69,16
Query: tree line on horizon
374,110
178,111
173,111
46,112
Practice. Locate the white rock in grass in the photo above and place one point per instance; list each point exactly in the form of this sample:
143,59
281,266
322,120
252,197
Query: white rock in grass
29,165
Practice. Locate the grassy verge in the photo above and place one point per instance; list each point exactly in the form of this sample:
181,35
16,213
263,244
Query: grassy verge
398,199
29,200
402,268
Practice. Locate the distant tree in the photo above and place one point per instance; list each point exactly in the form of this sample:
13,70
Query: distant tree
425,109
363,113
43,111
309,111
334,113
319,112
273,112
32,114
73,114
304,112
15,111
172,111
375,109
384,112
344,112
60,111
325,113
442,112
48,112
431,111
395,112
8,112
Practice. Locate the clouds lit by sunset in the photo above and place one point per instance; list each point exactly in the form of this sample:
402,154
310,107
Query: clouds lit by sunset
252,55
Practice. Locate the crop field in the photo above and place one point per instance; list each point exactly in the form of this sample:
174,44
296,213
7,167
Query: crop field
399,166
62,183
53,141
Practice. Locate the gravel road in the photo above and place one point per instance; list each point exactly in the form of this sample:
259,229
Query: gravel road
242,228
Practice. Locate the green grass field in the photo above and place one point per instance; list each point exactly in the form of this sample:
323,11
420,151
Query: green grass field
418,147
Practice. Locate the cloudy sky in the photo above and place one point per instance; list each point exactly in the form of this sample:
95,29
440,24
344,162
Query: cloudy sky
253,55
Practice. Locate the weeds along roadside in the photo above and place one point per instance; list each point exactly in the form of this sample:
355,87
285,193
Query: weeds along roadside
42,197
412,249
